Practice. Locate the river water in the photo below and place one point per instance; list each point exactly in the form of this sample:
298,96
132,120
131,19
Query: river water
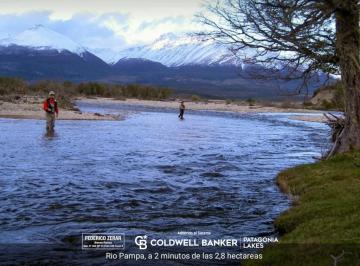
149,174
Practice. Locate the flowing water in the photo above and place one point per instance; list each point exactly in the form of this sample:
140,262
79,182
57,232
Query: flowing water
149,174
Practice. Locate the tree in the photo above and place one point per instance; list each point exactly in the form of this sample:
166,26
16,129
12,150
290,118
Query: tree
301,36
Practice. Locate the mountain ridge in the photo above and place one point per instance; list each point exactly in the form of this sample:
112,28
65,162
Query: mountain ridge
173,50
198,67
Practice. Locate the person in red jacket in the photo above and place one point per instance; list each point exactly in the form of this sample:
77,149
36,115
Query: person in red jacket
51,109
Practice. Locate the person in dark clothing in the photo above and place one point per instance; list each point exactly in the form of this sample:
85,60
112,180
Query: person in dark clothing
51,109
182,110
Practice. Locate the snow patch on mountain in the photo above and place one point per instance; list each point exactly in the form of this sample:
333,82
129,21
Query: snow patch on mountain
42,38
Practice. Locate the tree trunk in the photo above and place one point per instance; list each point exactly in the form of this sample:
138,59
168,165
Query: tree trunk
348,50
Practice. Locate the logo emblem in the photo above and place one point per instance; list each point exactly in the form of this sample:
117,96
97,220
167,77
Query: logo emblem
141,242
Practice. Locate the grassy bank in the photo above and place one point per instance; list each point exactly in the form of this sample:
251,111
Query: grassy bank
325,218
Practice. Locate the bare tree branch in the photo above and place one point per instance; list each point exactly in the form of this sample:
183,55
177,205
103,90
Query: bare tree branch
291,38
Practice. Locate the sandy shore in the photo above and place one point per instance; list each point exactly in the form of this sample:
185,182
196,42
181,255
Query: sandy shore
219,106
313,118
32,109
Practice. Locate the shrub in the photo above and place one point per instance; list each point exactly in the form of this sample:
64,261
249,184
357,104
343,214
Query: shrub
287,104
307,104
327,105
195,98
251,101
12,86
67,89
228,101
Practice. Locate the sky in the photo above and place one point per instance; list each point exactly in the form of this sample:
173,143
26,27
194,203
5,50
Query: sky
102,25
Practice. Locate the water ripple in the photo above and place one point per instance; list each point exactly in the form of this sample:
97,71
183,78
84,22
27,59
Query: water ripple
149,173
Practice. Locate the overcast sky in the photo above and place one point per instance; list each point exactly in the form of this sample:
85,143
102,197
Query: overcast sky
97,24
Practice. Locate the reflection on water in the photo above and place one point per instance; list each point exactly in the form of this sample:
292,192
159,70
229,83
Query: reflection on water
50,134
150,174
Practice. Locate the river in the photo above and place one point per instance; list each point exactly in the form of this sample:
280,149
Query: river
150,174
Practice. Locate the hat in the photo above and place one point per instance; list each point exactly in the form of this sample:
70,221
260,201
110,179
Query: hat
51,93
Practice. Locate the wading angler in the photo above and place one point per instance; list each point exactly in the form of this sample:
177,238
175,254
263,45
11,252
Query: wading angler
52,111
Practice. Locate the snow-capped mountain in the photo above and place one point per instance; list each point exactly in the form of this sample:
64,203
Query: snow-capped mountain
39,53
42,38
172,50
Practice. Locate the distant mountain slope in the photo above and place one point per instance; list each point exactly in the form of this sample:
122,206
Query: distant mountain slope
216,81
138,65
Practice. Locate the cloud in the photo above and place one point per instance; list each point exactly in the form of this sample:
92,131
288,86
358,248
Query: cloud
82,28
101,25
65,9
146,31
11,24
90,31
